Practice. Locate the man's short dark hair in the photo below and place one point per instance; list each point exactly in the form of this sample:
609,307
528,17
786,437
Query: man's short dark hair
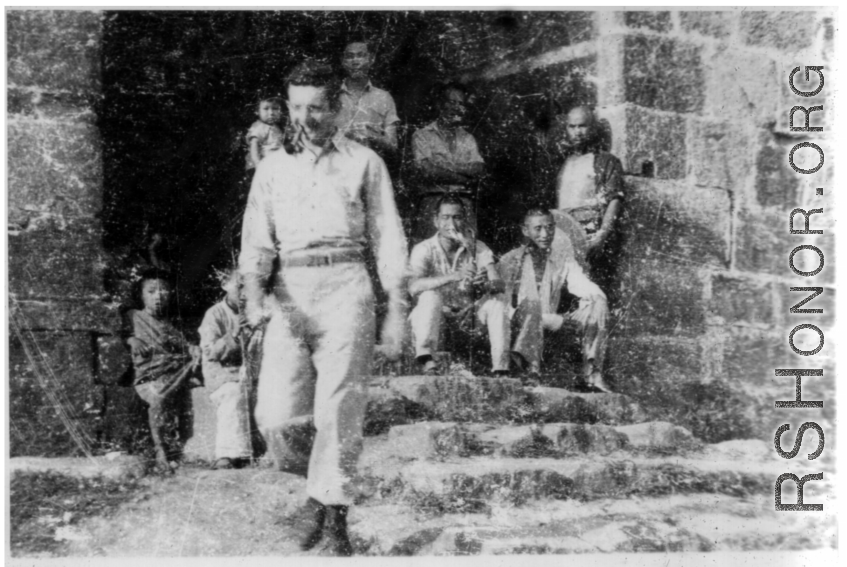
536,212
449,199
270,98
452,86
314,73
359,38
150,274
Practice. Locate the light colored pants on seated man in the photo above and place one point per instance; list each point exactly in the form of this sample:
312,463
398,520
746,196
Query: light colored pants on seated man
592,316
491,312
232,437
317,354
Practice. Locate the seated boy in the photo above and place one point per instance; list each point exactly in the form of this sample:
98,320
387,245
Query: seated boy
448,272
164,362
222,371
265,134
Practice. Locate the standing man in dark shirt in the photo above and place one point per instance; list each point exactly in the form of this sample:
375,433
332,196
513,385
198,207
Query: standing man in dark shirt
590,188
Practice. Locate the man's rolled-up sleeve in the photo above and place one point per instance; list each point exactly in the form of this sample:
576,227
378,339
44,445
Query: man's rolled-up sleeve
258,234
577,282
385,229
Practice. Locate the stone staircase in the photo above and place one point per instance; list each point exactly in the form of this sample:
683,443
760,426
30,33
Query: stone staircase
465,465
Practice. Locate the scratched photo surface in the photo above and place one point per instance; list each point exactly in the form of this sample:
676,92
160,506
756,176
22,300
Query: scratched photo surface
622,401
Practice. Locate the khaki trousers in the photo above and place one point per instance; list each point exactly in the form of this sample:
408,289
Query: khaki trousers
232,437
317,353
491,313
530,325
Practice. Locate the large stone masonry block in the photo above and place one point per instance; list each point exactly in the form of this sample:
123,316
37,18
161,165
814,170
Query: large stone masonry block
54,263
777,184
658,138
763,244
645,364
54,49
672,221
736,299
663,73
655,21
55,170
740,86
712,24
661,297
788,31
54,405
719,154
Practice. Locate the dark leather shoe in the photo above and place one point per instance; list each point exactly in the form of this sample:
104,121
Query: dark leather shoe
313,520
336,528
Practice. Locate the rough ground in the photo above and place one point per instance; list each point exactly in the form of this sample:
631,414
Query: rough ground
545,472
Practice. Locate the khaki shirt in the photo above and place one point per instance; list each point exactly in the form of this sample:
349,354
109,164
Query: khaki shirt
375,108
340,198
432,143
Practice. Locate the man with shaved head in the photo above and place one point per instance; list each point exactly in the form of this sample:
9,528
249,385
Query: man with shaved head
590,188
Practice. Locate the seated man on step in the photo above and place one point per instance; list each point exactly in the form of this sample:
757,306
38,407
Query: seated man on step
536,274
455,280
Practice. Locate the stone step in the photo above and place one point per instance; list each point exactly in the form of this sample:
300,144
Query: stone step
455,484
407,399
675,523
556,440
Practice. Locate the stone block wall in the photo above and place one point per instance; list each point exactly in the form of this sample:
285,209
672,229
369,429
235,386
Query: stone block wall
56,260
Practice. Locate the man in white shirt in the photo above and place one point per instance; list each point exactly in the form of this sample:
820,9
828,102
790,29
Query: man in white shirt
315,211
455,280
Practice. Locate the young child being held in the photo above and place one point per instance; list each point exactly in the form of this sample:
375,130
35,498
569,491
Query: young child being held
164,363
265,134
222,361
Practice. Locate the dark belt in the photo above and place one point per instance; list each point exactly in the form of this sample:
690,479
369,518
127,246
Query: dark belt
315,259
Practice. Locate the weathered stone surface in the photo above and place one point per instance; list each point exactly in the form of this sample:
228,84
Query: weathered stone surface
741,84
55,170
656,138
663,73
115,466
737,299
658,436
56,264
54,49
54,405
786,299
68,315
790,31
656,21
465,484
719,155
676,223
464,399
644,366
557,405
124,424
662,297
777,185
714,24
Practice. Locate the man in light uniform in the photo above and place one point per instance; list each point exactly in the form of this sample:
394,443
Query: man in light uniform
455,277
590,188
313,213
447,160
536,274
368,114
